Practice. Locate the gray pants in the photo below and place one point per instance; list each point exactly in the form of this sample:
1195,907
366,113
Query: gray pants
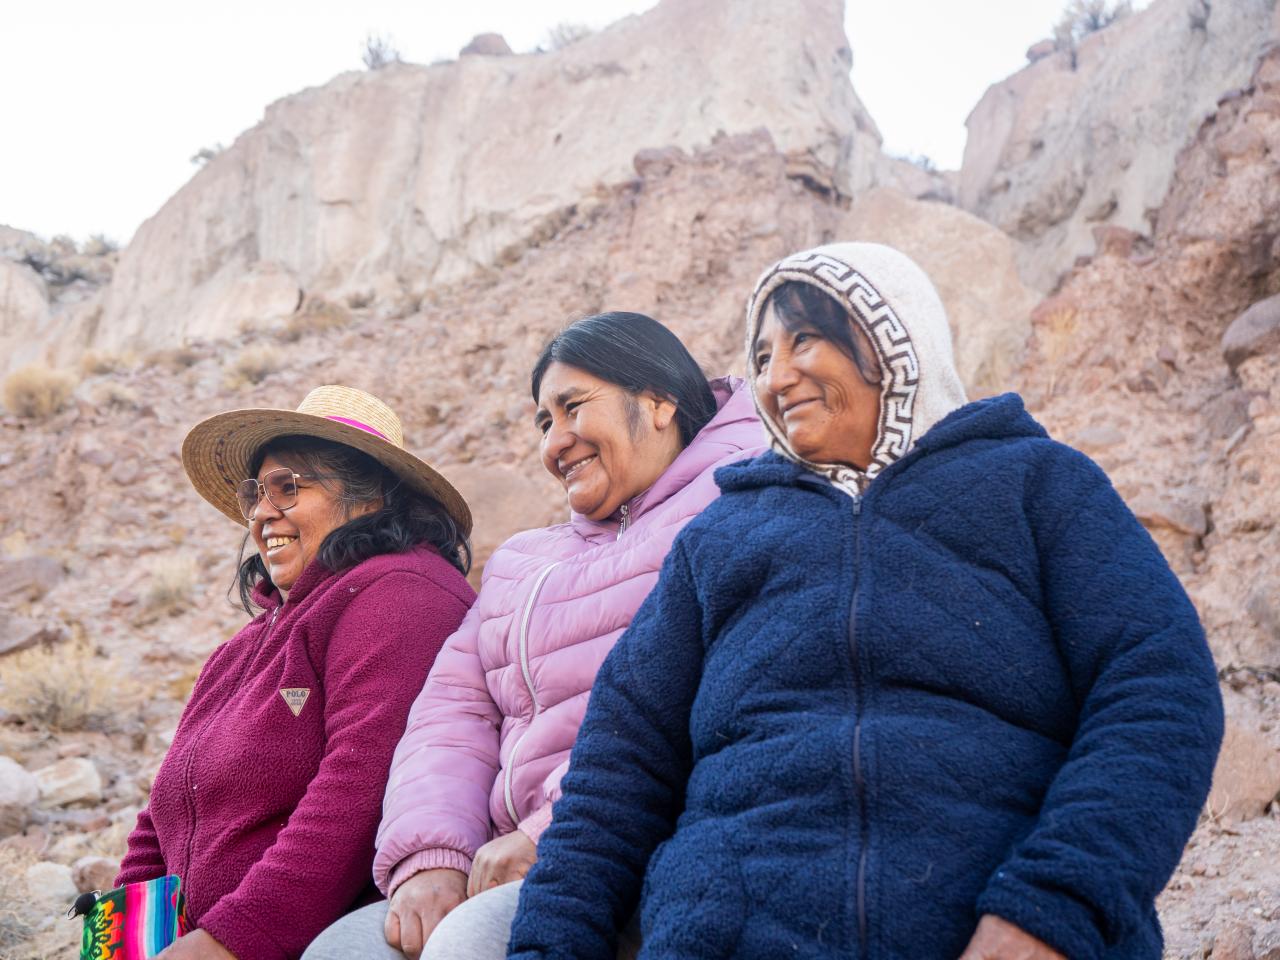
477,929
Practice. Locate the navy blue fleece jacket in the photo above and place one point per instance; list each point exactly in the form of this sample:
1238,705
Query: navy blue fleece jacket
850,727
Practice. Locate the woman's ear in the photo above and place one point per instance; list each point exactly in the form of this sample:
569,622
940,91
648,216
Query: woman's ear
664,410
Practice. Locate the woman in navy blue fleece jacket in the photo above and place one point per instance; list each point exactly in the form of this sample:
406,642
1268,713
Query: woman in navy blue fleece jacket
917,685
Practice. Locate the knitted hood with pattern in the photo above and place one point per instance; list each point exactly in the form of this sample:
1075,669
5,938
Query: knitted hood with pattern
896,306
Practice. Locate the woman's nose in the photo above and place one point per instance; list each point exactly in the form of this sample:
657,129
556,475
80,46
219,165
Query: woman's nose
558,439
780,375
266,510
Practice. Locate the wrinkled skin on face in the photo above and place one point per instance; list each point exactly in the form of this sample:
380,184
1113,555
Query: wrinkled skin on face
603,444
288,540
815,393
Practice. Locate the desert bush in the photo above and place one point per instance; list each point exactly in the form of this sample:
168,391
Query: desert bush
379,52
94,363
65,687
253,365
564,33
17,918
1083,17
111,395
37,392
205,154
99,245
316,317
171,584
176,358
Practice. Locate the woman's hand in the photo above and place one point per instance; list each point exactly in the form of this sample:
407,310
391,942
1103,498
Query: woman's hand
997,939
196,945
419,904
500,861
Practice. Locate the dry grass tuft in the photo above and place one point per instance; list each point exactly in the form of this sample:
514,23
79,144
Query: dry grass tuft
317,316
176,359
17,918
65,688
37,392
171,584
253,365
115,396
94,363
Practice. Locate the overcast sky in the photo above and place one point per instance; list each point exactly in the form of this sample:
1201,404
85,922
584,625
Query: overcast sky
103,104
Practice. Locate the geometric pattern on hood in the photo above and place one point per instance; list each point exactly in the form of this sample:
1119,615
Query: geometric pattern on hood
896,306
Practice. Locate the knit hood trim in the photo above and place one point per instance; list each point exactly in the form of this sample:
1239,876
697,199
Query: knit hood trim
904,320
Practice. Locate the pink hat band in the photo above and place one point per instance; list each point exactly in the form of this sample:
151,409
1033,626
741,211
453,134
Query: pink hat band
360,426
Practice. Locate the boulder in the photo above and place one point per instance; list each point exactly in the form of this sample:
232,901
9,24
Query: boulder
1060,146
1247,777
24,315
1254,332
69,781
94,873
1040,50
486,45
29,578
973,266
50,887
22,633
19,791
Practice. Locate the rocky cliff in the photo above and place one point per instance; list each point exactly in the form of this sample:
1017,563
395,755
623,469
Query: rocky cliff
1087,137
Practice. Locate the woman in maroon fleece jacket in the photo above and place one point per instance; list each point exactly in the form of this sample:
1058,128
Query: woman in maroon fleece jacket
267,802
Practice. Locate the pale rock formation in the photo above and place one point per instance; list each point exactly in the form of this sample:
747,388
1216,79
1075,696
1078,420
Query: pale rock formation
24,314
19,791
1053,151
74,780
974,267
94,873
414,172
49,886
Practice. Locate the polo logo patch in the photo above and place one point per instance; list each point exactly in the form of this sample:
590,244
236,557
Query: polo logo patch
295,697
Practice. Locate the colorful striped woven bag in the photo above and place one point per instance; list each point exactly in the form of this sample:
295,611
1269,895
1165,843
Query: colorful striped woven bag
132,922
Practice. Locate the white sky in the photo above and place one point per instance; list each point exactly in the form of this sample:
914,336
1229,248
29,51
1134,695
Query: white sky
102,104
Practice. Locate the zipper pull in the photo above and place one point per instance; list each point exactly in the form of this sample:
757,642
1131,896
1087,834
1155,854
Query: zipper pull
622,527
857,506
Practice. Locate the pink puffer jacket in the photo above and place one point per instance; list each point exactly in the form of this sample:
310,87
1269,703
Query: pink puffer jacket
489,736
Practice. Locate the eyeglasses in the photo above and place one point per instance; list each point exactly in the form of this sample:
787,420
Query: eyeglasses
280,487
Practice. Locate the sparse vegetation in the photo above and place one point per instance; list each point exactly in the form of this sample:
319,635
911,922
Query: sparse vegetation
171,583
112,395
1083,17
94,363
99,245
920,161
379,52
205,154
316,317
254,364
563,34
37,392
17,918
65,688
177,358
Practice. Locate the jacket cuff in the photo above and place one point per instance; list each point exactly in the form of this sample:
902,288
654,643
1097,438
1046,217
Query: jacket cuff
536,822
1057,918
440,858
231,925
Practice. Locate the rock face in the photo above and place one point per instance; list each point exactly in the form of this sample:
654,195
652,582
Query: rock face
972,264
405,178
1054,151
74,780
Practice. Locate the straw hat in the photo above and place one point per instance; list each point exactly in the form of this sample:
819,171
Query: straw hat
217,452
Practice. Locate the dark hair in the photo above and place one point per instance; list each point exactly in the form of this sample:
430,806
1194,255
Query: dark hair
800,304
638,354
406,518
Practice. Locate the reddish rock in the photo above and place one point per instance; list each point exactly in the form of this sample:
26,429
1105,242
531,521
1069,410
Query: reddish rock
1247,777
1040,50
1113,241
1254,332
94,873
486,45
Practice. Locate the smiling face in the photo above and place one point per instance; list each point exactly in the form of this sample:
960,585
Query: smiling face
813,391
603,444
288,539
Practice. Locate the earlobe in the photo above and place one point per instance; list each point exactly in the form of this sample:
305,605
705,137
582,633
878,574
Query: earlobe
664,412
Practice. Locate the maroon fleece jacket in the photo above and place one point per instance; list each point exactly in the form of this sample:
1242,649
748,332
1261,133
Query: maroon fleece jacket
267,803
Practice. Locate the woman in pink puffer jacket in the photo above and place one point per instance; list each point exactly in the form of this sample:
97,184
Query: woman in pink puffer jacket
634,432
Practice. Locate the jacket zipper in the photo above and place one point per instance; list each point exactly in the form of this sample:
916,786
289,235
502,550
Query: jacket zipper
528,680
625,509
189,793
858,779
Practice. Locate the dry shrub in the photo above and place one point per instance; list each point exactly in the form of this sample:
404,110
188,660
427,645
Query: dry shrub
94,363
66,687
253,365
1083,17
317,316
564,34
18,917
171,584
176,358
37,392
1057,335
115,396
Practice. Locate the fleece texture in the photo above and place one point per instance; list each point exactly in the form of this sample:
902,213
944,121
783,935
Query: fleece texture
488,740
267,816
851,727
